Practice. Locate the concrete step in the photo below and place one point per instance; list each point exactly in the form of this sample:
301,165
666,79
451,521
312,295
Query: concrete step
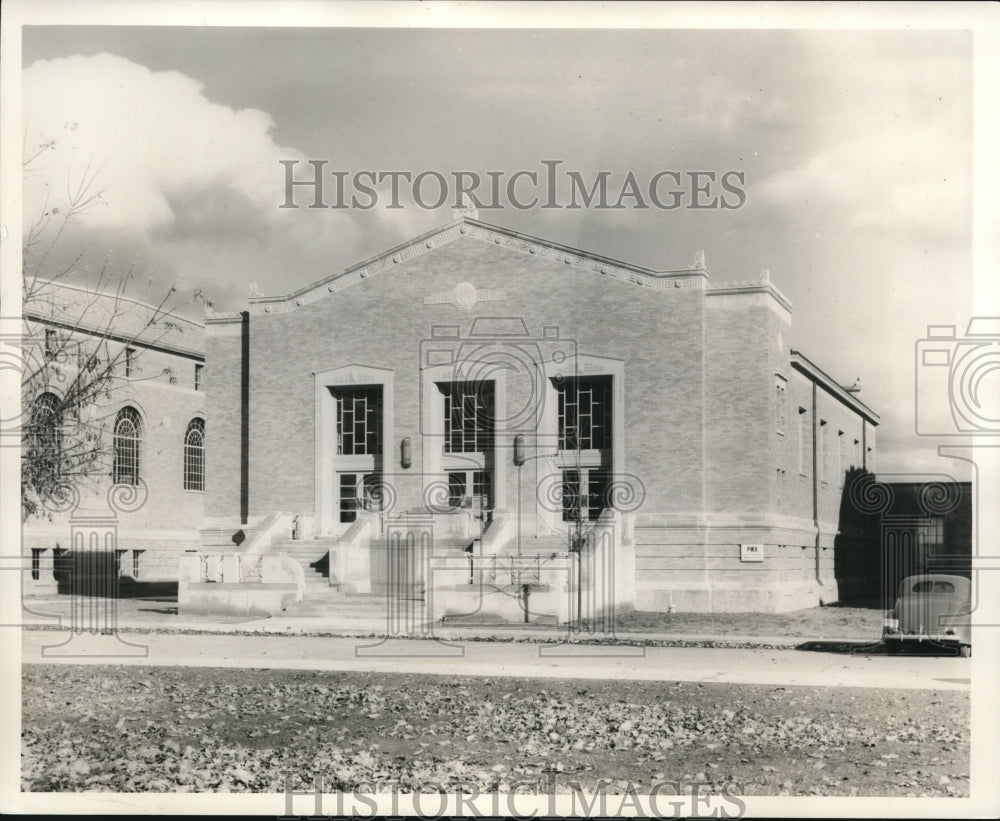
361,606
311,555
318,544
447,543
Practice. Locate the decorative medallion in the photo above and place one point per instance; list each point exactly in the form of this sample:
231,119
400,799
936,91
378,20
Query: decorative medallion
464,296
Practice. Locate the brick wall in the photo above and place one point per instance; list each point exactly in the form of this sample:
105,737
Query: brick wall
382,322
163,520
223,350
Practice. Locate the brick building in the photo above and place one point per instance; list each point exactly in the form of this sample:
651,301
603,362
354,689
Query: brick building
922,525
549,392
137,498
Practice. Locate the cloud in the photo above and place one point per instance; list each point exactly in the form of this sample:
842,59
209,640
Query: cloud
192,185
896,181
886,147
153,135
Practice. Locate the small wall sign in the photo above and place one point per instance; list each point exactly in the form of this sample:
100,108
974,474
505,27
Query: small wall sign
751,552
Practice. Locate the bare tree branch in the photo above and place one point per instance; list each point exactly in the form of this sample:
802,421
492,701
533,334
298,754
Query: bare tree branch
77,340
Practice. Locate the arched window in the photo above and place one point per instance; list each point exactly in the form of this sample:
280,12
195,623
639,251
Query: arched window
194,455
45,436
128,446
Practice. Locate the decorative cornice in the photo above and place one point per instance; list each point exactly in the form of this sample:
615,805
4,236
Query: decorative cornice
105,332
222,317
762,286
815,374
691,278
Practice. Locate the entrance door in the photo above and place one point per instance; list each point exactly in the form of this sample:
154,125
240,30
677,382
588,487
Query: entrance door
469,458
358,460
585,454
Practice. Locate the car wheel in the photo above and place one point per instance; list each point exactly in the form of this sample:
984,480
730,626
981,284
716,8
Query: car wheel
965,651
893,647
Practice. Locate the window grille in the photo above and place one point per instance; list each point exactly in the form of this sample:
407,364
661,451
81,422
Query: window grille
482,488
127,447
45,435
584,494
136,563
585,413
359,422
36,563
348,497
194,455
468,417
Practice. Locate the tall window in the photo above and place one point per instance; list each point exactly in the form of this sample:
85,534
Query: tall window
127,447
805,441
359,422
51,343
468,417
199,376
585,445
45,435
194,455
129,361
840,458
779,388
821,452
585,413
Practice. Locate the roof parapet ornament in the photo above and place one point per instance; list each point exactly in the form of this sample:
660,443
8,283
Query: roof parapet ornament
698,263
855,388
468,208
765,276
254,290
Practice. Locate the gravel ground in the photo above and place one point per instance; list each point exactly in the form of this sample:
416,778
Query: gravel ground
831,622
133,729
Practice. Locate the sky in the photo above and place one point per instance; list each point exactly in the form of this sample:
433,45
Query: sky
855,149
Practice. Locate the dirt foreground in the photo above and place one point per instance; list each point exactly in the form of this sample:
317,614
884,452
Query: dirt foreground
142,729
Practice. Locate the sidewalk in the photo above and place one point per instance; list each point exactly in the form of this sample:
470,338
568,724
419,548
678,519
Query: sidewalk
53,613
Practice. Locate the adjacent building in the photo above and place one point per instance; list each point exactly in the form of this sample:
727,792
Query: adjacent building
114,436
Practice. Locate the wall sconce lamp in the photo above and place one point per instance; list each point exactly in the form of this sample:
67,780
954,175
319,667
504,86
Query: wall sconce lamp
519,450
405,452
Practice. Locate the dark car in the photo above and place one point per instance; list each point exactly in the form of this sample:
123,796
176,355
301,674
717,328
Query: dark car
934,608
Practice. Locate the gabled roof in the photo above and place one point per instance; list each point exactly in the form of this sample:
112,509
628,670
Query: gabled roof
468,227
113,316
